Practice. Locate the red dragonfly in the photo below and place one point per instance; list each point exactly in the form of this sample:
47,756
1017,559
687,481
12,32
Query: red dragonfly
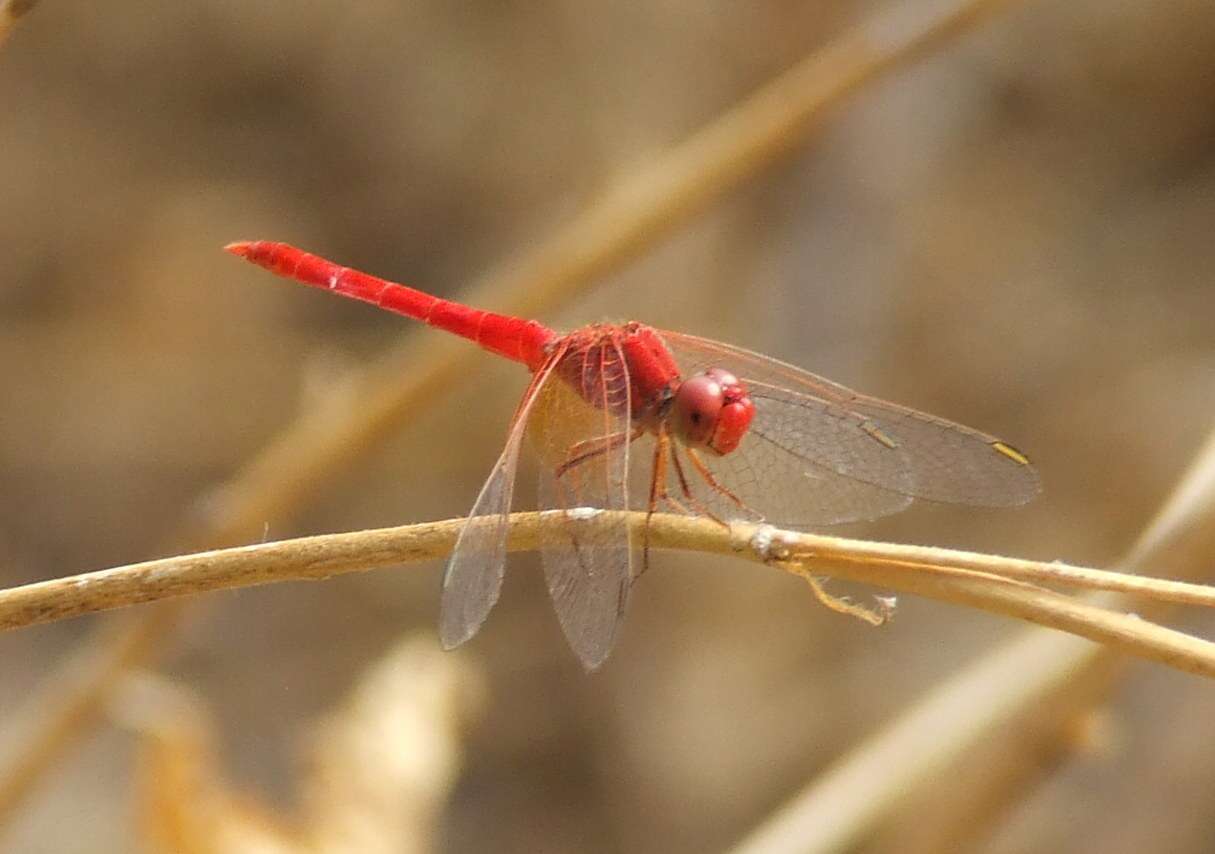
729,434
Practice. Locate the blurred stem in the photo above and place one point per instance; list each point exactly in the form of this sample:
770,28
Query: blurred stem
10,12
963,578
34,739
632,217
959,816
987,703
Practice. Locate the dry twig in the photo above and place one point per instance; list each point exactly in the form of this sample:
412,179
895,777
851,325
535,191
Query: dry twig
615,229
960,577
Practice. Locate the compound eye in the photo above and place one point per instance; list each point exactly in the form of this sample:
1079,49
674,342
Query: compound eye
732,424
697,406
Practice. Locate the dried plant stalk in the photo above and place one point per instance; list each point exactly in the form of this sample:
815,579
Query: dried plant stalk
72,699
964,578
384,764
184,803
382,767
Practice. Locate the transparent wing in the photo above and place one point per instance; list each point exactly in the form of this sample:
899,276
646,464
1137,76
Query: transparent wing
811,432
584,463
473,578
765,482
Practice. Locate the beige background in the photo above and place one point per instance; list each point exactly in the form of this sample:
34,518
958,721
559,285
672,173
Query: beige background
1015,233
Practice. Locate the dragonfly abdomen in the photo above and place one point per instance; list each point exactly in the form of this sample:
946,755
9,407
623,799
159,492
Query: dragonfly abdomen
517,339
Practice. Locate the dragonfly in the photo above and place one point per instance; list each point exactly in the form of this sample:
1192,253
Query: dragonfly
624,415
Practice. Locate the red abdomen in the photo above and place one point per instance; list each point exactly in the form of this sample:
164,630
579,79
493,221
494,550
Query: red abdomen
515,338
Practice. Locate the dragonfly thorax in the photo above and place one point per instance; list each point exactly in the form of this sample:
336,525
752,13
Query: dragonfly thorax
712,410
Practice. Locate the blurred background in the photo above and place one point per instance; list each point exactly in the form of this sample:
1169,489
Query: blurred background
1015,233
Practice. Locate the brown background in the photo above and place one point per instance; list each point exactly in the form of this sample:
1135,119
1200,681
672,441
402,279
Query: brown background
1016,233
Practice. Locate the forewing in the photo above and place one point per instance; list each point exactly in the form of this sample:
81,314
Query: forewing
764,482
473,578
821,425
587,564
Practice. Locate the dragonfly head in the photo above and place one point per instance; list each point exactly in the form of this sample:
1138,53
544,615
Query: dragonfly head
712,410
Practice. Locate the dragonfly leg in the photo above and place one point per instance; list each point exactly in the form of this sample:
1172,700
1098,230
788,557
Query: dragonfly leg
686,489
715,484
588,449
658,492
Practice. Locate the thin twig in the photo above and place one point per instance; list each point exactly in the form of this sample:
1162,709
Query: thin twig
620,226
335,554
845,804
966,579
1032,571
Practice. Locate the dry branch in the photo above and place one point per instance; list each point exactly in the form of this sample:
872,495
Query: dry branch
641,211
962,578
